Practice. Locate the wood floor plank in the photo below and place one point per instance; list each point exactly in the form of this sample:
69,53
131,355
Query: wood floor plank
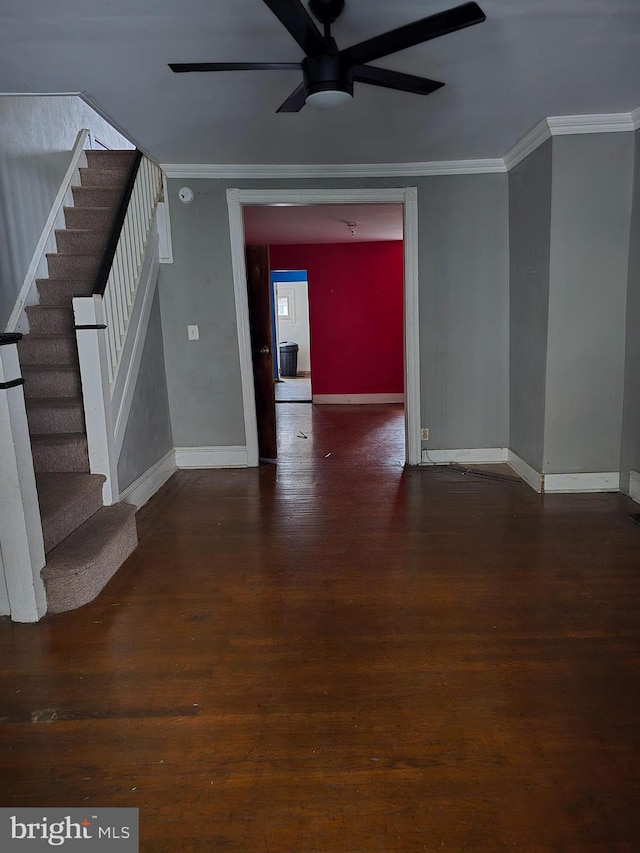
340,655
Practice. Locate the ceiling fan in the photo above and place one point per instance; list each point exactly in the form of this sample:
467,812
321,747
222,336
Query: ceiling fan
329,73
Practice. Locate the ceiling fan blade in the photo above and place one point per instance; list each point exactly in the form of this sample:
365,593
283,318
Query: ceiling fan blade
296,19
295,101
184,67
395,80
416,33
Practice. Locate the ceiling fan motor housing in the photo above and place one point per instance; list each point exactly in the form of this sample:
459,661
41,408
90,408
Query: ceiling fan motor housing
327,73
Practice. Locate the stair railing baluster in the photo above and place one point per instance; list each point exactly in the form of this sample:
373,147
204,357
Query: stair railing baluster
116,291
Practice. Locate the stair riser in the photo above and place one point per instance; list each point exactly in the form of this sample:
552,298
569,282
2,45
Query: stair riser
34,350
109,159
71,456
70,585
73,266
60,292
52,420
95,197
66,501
59,529
45,321
81,242
103,177
96,218
51,383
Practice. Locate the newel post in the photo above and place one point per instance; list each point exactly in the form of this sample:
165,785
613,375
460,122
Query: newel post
22,557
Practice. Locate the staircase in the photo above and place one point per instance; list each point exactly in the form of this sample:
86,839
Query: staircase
85,542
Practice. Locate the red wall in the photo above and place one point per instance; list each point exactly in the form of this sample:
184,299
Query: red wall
355,311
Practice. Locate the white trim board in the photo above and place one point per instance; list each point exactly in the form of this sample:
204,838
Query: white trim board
408,196
601,481
529,474
634,485
357,399
147,484
211,457
471,456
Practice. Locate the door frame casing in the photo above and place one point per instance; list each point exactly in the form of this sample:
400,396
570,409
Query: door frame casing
408,197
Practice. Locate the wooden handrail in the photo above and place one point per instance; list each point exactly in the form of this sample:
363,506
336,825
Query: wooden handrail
114,234
9,338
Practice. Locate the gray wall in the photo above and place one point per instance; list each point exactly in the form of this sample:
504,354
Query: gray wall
463,257
203,377
464,310
590,216
529,243
148,434
630,454
36,138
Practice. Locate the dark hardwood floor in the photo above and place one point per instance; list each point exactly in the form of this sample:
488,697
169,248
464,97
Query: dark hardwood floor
339,655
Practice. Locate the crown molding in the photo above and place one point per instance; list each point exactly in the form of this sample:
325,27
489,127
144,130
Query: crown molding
545,129
567,125
605,123
528,144
332,170
40,94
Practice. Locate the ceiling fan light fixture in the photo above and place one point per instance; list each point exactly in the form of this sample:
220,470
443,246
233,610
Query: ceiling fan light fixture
326,99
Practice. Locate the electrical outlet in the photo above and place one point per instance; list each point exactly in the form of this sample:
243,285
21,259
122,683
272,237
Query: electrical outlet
193,333
424,433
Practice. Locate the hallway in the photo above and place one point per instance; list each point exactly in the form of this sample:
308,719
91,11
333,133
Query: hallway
336,654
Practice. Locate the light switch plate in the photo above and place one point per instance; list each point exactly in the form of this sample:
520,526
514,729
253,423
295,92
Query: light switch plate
193,333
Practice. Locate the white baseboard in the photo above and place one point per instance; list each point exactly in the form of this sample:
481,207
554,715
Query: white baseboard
357,399
211,457
473,456
147,484
532,477
634,485
600,481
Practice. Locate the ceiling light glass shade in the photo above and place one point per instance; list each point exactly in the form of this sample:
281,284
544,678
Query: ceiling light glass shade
327,98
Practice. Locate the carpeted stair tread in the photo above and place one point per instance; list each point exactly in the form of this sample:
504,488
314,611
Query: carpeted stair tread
96,196
62,402
79,567
55,414
107,159
58,291
53,380
76,266
60,452
66,501
48,319
107,175
48,348
81,240
94,218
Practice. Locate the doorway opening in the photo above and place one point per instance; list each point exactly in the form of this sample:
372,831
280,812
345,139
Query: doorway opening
407,198
292,336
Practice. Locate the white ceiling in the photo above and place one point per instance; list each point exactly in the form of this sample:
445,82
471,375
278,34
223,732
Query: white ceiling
530,59
322,223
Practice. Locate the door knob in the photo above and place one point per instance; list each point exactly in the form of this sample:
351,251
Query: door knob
265,350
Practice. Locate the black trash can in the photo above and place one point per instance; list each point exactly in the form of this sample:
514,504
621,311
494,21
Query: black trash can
288,359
